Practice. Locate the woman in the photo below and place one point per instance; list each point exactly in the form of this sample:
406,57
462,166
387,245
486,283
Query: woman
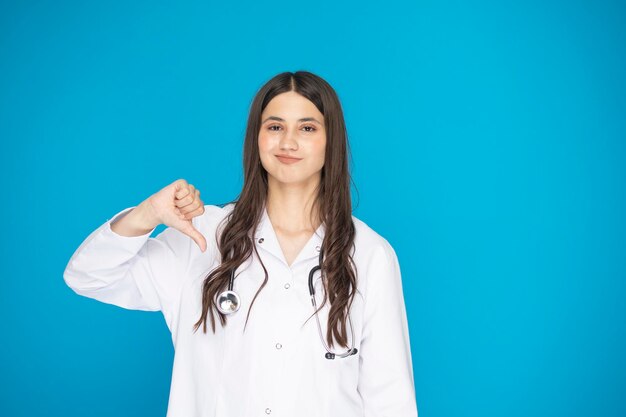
265,357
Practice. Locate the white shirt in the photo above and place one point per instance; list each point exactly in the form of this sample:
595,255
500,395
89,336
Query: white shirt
277,366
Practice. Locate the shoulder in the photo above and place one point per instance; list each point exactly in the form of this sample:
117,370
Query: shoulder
377,264
368,242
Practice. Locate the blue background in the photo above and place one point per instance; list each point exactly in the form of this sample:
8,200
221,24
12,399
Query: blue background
488,141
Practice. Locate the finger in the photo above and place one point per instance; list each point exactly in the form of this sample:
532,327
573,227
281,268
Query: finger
182,190
185,201
181,193
199,210
179,185
197,237
179,213
189,203
193,205
193,191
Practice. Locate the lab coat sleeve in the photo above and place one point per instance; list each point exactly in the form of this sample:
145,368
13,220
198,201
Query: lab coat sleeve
386,370
137,273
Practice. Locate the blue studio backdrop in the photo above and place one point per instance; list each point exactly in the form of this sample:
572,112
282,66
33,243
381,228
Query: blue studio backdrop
488,147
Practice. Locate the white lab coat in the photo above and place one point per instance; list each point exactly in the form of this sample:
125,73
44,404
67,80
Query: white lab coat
277,366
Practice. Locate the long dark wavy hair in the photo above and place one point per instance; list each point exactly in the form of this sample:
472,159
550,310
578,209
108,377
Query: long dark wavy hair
332,199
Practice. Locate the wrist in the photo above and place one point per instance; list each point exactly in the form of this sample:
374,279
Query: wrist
144,216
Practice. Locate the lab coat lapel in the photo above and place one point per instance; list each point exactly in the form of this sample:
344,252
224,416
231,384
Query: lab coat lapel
266,240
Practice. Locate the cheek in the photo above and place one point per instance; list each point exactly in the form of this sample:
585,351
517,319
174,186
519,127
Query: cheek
320,150
265,144
262,141
266,147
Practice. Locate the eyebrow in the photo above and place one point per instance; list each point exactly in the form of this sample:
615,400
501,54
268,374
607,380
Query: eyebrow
304,119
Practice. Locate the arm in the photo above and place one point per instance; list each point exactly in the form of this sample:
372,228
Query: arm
133,272
386,371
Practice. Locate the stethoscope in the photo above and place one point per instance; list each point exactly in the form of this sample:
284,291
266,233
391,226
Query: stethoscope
228,302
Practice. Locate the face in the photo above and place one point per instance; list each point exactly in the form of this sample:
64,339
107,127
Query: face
291,125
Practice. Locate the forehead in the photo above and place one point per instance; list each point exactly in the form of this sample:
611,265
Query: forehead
291,105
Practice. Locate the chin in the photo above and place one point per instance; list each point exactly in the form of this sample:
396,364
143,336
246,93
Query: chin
288,180
291,179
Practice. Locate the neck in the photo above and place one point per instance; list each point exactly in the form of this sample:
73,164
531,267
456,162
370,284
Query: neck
290,206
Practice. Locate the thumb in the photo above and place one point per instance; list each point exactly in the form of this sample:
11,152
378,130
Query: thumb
188,229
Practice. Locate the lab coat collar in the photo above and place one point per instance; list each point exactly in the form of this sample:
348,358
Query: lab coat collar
266,239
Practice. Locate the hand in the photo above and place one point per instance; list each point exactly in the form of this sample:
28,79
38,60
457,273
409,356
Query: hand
175,206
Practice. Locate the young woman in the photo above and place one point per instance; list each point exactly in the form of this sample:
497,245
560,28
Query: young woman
263,265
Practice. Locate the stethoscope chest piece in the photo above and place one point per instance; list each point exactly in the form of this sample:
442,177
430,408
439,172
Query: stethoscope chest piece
228,302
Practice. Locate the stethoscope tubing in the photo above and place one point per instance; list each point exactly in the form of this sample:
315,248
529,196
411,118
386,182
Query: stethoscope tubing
228,302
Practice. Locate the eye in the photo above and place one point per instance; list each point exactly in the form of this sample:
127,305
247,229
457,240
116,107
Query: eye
272,126
310,127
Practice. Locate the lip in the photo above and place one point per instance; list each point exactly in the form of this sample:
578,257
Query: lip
287,159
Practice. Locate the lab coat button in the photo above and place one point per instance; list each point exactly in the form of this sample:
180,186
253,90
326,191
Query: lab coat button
287,286
317,248
278,345
261,240
268,411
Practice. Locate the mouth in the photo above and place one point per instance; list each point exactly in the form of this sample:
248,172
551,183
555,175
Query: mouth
287,159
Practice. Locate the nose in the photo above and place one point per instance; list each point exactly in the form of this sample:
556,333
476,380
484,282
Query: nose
288,140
